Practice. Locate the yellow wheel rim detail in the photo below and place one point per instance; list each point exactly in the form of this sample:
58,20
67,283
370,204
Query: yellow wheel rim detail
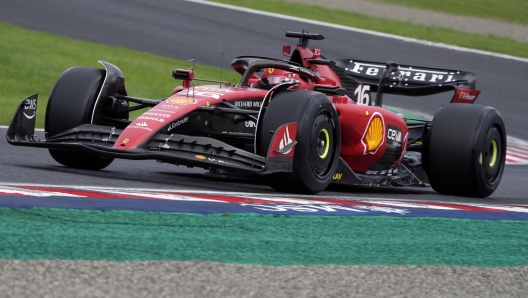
494,157
327,143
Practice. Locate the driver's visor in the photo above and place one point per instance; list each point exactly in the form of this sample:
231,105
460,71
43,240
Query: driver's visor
274,80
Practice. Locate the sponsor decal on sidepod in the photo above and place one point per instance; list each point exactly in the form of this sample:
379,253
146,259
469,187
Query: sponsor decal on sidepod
374,134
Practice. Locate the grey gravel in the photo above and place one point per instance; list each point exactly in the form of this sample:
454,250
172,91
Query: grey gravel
46,278
425,17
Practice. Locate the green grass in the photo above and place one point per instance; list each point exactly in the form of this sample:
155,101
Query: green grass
42,233
31,62
342,17
515,11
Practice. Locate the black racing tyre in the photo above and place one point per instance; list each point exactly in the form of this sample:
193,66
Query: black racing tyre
71,104
316,154
466,150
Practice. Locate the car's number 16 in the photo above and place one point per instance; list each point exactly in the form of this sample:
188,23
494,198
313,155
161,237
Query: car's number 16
362,94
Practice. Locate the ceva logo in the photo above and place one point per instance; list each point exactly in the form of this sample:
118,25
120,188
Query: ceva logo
394,134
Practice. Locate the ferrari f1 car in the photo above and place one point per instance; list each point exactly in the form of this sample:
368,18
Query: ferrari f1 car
300,123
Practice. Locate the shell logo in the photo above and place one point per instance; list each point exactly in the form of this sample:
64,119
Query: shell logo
374,134
200,157
182,100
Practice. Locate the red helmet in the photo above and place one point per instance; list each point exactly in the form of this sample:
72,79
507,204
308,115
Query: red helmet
274,76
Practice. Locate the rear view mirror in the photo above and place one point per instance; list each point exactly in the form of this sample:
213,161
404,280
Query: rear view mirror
286,50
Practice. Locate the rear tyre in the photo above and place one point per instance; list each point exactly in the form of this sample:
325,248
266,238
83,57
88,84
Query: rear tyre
316,154
466,150
71,104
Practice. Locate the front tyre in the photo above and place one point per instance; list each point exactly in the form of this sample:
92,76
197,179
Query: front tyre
71,104
466,150
316,154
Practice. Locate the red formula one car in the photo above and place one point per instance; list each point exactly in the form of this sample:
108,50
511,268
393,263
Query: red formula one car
301,123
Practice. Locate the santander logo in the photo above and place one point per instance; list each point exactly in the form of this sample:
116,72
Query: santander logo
285,141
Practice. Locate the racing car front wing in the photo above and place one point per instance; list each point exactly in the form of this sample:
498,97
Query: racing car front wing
176,149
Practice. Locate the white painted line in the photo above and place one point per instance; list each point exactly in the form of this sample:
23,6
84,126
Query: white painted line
279,199
358,30
501,207
412,205
155,195
35,193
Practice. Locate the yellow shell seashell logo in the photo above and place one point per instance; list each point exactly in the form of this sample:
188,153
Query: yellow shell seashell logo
373,137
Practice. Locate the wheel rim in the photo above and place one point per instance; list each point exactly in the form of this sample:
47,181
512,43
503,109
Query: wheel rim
492,155
321,144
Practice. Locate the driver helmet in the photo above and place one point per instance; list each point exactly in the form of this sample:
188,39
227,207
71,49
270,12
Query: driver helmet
274,76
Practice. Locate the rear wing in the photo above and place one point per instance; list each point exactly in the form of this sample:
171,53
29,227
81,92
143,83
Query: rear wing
391,78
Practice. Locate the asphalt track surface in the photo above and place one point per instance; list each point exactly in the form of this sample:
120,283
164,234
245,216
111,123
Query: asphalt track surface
185,30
